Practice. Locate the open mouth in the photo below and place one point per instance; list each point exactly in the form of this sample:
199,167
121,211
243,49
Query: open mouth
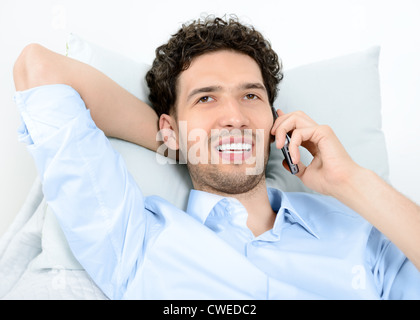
235,149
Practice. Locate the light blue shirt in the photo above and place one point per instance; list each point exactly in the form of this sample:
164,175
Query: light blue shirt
137,247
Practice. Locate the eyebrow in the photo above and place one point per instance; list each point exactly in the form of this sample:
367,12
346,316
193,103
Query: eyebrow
204,90
253,85
209,89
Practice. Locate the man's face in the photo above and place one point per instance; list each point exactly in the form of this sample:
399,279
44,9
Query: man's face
224,121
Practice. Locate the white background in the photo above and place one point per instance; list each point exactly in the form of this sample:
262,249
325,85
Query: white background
301,31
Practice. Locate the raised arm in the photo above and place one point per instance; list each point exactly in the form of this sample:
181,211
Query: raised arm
97,202
333,172
115,111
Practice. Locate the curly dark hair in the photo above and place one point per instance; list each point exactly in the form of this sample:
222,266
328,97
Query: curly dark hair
203,36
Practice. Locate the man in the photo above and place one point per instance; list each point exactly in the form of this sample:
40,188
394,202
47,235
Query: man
238,239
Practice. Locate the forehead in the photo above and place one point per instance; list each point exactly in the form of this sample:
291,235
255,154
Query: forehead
223,68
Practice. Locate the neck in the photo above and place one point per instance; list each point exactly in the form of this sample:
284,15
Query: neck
261,216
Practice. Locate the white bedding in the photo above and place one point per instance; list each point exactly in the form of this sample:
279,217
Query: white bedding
21,274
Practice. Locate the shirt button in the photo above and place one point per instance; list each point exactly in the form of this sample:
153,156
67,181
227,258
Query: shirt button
250,248
255,243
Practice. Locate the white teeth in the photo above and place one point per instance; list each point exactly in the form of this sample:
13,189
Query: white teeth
234,147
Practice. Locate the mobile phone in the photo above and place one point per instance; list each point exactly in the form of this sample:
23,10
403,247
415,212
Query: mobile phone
294,169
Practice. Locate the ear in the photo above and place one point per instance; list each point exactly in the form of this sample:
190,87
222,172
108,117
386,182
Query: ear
167,126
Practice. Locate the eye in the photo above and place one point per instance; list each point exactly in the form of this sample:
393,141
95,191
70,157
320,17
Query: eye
251,96
205,99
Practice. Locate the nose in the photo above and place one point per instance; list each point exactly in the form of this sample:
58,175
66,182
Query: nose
232,116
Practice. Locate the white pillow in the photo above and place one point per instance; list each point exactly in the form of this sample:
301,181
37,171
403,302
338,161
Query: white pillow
343,92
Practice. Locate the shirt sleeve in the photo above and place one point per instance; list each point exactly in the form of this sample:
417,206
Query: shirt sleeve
396,276
86,183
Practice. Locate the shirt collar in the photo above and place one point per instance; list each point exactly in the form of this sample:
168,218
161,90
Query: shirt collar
201,203
281,203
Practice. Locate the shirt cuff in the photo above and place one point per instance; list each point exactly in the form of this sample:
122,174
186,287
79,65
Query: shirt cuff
46,109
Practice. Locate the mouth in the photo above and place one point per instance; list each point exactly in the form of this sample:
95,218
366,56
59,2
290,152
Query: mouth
236,149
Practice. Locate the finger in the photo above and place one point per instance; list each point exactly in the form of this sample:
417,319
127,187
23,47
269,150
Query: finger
290,121
277,122
298,119
303,137
280,129
280,112
287,123
280,137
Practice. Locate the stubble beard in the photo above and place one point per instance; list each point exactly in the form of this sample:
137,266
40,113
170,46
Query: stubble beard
231,179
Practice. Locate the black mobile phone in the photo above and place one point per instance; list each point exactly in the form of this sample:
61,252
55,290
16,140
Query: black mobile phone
294,169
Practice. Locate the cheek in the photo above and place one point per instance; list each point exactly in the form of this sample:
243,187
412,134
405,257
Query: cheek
266,124
194,126
193,133
193,119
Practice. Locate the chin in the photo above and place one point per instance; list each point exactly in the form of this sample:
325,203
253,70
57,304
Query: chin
224,178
